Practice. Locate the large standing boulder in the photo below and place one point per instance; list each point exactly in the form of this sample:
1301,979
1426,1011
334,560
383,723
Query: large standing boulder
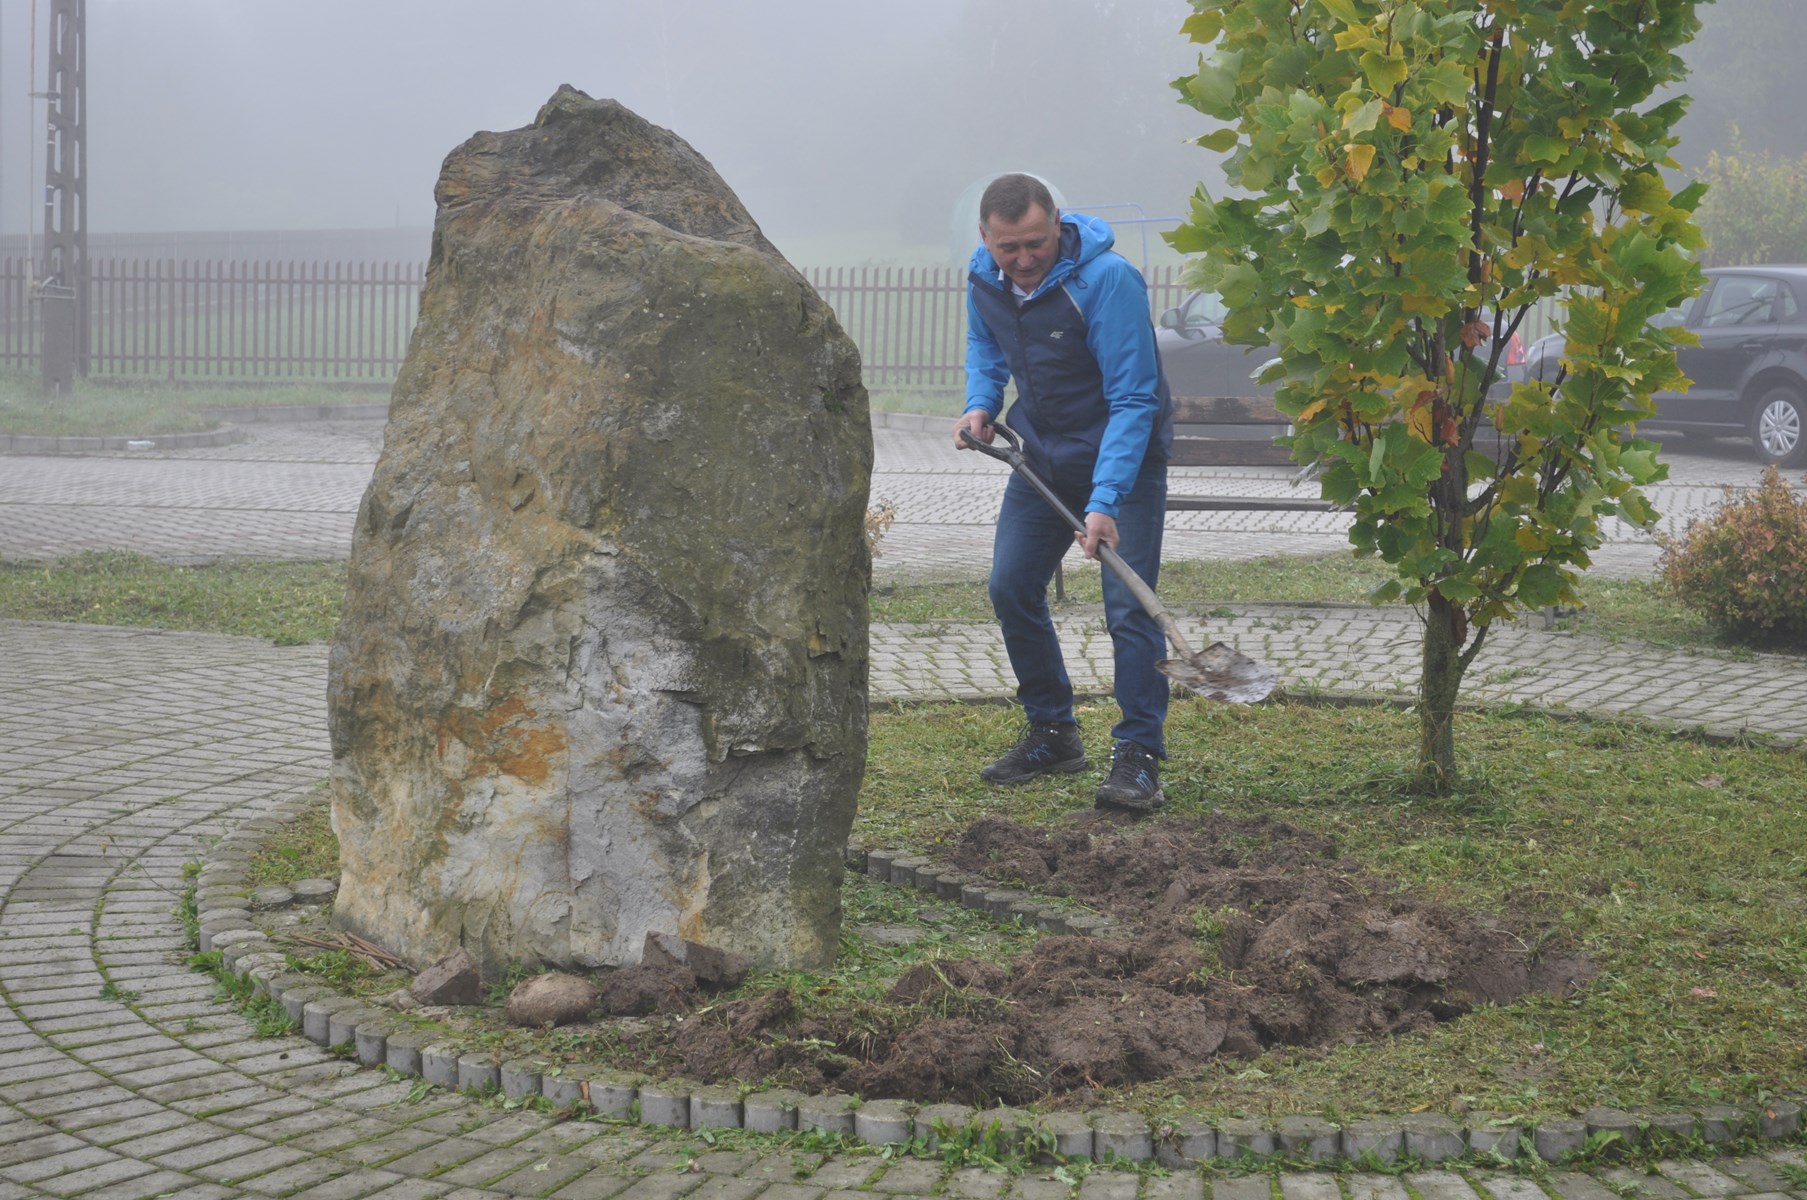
602,668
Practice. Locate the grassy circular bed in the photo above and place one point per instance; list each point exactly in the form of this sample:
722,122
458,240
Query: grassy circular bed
1639,896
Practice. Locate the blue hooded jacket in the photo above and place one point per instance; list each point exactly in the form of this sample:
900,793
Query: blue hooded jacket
1092,403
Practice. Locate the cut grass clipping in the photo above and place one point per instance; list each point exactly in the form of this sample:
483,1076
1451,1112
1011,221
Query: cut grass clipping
1675,865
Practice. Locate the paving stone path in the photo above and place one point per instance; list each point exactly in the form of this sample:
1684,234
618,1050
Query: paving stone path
125,753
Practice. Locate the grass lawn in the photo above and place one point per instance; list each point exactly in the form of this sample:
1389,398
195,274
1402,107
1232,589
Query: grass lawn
289,603
292,603
120,409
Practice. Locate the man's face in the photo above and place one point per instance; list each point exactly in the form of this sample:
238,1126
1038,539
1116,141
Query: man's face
1025,248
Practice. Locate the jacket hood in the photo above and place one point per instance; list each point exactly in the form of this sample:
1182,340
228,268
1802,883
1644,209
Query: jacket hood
1083,237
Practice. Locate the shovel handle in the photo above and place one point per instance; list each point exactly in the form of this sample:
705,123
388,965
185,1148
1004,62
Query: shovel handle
1151,604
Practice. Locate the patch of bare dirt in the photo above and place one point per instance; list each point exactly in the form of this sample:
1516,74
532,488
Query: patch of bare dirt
1242,934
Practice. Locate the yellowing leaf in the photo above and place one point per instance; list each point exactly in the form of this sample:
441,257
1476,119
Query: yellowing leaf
1384,71
1351,38
1420,420
1399,118
1529,540
1361,157
1311,410
1513,190
1203,27
1325,176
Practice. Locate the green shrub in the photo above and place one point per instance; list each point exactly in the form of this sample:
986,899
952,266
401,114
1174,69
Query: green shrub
1745,567
1752,211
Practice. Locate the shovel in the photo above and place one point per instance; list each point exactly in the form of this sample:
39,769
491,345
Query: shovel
1217,672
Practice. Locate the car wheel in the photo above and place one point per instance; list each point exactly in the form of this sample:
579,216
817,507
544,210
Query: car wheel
1779,427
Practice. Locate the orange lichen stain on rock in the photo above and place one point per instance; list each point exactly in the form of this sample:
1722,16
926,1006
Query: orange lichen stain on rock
505,740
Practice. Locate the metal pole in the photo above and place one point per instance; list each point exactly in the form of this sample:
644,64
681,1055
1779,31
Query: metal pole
63,290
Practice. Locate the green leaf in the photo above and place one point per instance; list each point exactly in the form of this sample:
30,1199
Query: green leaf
1213,88
1384,72
1643,192
1689,198
1540,148
1386,592
1540,586
1365,118
1343,10
1218,139
1641,466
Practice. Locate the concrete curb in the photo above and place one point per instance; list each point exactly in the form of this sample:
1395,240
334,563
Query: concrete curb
223,895
272,413
34,443
915,422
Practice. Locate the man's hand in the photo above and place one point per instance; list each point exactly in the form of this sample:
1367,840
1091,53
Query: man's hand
976,420
1099,529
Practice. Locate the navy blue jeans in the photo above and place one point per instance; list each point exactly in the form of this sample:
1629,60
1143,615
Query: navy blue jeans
1031,539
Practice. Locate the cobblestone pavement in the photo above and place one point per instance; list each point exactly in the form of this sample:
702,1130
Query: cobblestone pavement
123,753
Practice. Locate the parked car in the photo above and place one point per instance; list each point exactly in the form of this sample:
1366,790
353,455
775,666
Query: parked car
1749,372
1199,363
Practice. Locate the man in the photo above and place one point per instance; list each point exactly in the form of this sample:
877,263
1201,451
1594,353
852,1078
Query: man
1050,305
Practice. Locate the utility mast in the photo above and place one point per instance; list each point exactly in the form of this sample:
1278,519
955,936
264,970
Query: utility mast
63,274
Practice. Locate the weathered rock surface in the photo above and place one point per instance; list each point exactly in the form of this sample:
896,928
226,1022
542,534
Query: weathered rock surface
545,1001
451,980
602,667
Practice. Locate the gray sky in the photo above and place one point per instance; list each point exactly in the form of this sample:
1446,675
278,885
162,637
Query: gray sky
297,114
828,117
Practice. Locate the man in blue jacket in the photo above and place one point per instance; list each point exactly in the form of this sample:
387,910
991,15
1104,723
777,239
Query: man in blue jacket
1051,306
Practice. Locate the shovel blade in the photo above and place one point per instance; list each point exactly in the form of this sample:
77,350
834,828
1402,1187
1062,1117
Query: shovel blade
1220,673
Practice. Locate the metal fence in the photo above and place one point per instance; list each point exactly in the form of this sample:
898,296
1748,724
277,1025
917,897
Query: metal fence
910,322
246,322
230,322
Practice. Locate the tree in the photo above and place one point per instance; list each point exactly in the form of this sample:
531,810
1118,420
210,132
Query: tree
1752,212
1419,173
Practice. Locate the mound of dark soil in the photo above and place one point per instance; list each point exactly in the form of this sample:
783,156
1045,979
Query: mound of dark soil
1241,935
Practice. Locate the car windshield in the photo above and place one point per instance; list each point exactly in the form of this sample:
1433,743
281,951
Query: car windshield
1201,309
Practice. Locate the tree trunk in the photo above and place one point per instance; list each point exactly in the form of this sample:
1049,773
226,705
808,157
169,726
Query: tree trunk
1438,688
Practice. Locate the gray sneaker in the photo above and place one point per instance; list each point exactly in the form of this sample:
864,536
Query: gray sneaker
1134,784
1044,750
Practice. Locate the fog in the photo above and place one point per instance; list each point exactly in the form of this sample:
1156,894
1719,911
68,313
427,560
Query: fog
829,118
849,129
